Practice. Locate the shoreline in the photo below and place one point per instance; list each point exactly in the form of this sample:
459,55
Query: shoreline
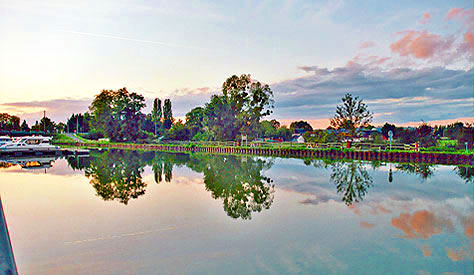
389,156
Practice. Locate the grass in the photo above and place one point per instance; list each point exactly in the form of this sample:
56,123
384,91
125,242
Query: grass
61,138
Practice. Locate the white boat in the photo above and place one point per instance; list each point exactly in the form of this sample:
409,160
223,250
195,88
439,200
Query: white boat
29,144
5,140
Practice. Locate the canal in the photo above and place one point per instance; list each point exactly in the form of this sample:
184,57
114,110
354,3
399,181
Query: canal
130,212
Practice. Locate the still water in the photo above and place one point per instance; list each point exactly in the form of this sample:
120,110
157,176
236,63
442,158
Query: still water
126,212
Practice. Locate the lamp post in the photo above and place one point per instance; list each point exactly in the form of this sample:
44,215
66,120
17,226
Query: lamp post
466,143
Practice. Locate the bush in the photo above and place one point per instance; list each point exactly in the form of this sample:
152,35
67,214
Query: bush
92,135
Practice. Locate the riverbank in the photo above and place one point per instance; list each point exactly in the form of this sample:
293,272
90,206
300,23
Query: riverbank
332,153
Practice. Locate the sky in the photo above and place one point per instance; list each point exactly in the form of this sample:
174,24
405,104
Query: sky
410,61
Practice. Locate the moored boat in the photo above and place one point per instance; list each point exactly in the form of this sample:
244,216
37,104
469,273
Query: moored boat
5,140
29,145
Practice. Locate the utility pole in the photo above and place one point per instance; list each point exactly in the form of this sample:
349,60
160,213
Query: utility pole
77,124
44,121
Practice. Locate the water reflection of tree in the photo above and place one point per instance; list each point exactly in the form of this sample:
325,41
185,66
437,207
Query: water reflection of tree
352,180
423,170
466,173
116,175
163,163
78,163
239,182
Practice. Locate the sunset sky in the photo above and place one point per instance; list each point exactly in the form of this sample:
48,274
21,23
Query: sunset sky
408,60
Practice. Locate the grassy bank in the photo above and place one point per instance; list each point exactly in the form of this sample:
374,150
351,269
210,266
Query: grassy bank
62,139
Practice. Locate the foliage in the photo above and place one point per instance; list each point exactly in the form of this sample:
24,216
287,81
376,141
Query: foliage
466,173
24,126
318,136
303,125
156,114
78,123
268,129
423,170
195,121
178,131
116,114
167,114
284,133
351,115
424,135
92,135
239,109
238,182
46,125
9,122
117,175
352,180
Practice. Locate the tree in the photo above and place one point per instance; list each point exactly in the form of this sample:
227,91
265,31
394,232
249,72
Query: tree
301,125
24,126
424,135
117,114
9,122
194,121
220,119
47,125
60,127
351,115
239,109
284,133
78,123
179,131
267,129
156,114
318,136
167,114
388,127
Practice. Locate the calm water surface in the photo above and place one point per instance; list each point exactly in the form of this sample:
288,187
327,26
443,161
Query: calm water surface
125,212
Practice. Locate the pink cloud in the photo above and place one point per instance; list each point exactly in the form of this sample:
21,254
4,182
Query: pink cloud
421,45
455,255
367,44
463,15
426,251
468,44
460,13
422,224
425,18
366,225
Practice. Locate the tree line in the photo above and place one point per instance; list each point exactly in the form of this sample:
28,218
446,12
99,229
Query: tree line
238,110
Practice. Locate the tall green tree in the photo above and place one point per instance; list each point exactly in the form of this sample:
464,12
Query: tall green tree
156,114
24,126
239,109
351,115
167,114
9,122
194,121
47,125
117,114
